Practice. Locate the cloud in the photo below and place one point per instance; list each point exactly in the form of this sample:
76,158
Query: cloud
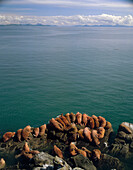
76,3
90,20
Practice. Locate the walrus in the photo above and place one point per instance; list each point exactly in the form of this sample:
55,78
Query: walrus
78,118
95,137
56,124
26,147
67,115
26,132
81,133
72,149
101,132
73,117
108,125
34,152
96,154
102,121
19,134
64,120
82,152
36,132
27,155
2,163
87,134
90,122
58,119
42,130
58,152
88,152
8,135
84,119
96,121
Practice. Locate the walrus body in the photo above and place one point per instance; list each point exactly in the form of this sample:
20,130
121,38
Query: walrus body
8,135
58,152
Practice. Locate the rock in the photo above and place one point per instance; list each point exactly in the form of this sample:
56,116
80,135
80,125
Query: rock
60,164
125,150
45,167
76,168
108,162
43,158
131,146
125,127
83,162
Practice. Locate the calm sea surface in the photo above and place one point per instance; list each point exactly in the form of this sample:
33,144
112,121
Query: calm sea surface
46,71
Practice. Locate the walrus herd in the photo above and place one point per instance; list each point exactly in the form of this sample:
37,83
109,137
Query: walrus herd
92,128
79,127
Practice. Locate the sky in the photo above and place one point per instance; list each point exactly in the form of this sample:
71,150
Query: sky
67,12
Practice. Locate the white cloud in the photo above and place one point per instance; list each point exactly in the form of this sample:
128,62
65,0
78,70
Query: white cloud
79,3
103,19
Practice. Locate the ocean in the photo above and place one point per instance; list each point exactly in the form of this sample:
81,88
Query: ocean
46,71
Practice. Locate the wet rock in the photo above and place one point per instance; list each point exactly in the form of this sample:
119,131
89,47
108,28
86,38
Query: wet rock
83,162
60,164
45,167
43,158
108,162
125,127
76,168
131,146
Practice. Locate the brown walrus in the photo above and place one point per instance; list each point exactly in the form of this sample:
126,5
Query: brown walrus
36,132
26,132
72,149
82,152
19,134
88,152
78,118
96,154
67,115
90,122
64,120
26,147
101,132
95,137
73,117
8,135
56,124
34,152
81,133
96,121
42,130
58,119
108,125
27,155
87,134
2,163
58,152
102,121
84,119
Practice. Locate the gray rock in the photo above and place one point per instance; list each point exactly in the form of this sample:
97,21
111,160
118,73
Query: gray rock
108,162
45,167
43,158
77,168
60,164
83,162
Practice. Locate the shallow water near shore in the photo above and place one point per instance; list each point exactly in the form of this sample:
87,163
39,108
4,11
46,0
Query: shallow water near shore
46,71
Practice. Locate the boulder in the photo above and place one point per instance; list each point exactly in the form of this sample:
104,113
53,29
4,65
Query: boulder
60,164
42,159
108,162
83,162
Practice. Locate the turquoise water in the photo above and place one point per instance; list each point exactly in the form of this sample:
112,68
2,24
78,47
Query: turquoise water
46,71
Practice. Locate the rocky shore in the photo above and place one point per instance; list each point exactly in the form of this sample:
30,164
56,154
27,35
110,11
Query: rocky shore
70,141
